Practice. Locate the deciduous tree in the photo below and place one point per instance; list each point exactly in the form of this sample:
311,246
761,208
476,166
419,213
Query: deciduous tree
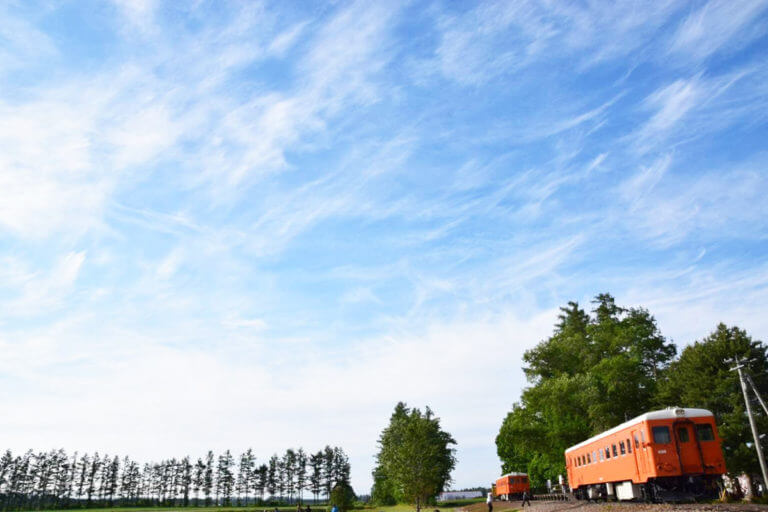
415,455
702,377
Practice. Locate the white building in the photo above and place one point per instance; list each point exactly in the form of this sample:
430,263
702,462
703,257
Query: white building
459,495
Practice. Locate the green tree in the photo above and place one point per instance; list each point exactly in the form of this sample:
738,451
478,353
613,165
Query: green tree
342,496
415,455
301,473
208,478
272,476
594,372
702,377
383,492
225,479
316,474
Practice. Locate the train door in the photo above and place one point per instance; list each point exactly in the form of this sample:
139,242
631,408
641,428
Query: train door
687,447
641,456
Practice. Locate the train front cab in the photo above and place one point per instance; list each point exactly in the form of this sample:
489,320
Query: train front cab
684,458
670,454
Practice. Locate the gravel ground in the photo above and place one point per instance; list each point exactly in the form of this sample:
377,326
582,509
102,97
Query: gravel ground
577,506
580,506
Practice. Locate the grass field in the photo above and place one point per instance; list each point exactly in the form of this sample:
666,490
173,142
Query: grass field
315,508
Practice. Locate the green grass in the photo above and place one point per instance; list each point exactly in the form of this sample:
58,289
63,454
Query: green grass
315,508
252,508
428,508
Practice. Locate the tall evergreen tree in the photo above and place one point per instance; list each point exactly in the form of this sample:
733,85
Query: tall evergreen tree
272,476
198,480
185,480
225,478
328,467
208,478
288,464
92,477
243,477
112,479
262,480
301,473
82,479
316,474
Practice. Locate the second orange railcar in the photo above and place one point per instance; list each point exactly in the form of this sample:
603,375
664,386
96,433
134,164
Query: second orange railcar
512,485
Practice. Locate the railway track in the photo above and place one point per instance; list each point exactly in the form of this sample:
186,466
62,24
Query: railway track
576,505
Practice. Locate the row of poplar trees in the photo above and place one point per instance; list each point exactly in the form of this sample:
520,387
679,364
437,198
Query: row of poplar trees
35,481
598,370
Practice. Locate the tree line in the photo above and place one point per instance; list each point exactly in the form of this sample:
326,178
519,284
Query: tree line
48,480
598,370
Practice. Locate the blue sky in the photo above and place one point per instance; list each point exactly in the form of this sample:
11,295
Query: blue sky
262,224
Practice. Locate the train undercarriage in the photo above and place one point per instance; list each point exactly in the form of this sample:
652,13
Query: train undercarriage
657,490
511,497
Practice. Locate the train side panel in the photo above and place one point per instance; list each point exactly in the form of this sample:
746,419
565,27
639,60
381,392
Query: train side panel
605,460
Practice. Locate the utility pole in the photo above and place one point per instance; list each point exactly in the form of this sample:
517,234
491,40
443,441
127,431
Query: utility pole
759,449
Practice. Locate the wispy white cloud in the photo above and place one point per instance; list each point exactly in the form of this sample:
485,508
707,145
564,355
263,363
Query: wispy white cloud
286,39
665,207
718,25
41,292
20,40
360,295
498,38
695,100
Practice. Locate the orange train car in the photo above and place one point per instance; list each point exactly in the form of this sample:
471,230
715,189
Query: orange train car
511,486
658,455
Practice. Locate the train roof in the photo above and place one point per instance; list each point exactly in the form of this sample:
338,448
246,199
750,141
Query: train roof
664,414
514,474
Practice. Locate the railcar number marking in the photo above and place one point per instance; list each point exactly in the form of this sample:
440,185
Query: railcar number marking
662,451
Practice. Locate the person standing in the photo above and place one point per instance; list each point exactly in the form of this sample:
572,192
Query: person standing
526,499
489,501
334,508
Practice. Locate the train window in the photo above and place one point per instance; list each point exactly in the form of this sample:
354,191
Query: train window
589,459
661,435
704,432
595,457
615,453
637,443
607,452
622,449
629,446
602,455
682,434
